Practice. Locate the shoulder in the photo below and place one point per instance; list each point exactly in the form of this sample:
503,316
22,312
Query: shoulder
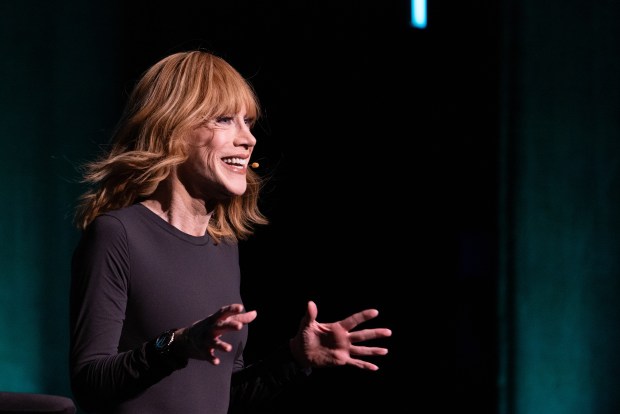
112,225
125,213
116,219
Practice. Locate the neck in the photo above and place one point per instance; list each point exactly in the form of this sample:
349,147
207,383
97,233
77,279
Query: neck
188,214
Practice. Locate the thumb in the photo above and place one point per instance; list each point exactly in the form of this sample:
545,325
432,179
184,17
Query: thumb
311,312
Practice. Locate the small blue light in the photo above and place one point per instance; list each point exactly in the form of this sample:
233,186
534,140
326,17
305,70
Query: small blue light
418,13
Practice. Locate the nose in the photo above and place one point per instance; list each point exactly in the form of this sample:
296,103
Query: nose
245,137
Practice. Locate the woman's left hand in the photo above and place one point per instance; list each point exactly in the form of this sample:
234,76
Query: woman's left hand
319,344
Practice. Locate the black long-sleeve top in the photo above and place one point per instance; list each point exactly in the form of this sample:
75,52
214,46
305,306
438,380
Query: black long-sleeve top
135,276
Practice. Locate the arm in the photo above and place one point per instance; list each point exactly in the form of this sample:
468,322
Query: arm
100,375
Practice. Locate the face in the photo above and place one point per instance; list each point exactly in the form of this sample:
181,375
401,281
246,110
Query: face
220,151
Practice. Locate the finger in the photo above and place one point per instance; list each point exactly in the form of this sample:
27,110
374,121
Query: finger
246,317
357,318
218,345
310,315
311,312
214,360
367,350
228,310
222,346
234,323
368,334
359,363
221,314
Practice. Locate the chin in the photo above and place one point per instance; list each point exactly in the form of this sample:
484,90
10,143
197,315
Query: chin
237,191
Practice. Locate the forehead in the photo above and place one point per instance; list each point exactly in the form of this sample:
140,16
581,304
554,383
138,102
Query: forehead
234,95
244,108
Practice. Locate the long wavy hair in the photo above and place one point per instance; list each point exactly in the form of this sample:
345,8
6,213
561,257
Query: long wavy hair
172,97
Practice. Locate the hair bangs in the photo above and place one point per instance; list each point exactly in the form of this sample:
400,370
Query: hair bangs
228,93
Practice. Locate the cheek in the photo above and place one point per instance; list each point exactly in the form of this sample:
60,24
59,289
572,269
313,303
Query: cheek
199,163
201,156
208,160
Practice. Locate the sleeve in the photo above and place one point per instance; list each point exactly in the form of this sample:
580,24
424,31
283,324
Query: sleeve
258,385
100,375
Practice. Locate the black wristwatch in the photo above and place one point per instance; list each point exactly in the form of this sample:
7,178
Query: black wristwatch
164,342
165,346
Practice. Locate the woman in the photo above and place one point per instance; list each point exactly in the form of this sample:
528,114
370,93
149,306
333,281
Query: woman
157,320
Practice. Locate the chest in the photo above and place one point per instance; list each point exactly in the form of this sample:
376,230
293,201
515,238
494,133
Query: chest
174,283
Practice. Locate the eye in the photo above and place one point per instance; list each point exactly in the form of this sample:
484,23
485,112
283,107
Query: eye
224,119
249,121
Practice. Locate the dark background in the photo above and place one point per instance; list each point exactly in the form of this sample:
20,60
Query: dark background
461,178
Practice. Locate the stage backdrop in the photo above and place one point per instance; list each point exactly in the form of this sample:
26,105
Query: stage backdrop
560,273
57,65
65,68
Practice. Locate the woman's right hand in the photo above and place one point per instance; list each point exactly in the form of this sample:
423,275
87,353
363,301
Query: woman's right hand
203,338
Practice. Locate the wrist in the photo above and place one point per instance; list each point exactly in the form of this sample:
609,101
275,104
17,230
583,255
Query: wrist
170,349
298,353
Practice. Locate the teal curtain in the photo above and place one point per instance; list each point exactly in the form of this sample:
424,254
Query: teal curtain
57,65
560,208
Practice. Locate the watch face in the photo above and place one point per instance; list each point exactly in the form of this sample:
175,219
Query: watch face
162,342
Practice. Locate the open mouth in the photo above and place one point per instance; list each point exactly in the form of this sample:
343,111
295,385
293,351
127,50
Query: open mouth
235,162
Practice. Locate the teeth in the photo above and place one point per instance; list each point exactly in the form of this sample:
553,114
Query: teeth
235,161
